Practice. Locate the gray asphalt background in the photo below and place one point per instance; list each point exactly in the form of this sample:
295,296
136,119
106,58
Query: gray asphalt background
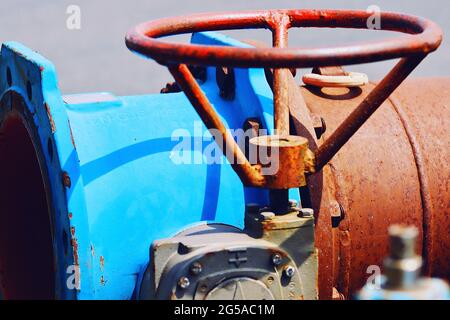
96,59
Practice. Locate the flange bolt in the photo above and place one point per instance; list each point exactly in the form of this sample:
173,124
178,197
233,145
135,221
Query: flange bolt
196,268
289,271
226,82
277,259
267,215
307,212
184,282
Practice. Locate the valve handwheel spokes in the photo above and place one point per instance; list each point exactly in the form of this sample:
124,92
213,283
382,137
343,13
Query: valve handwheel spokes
423,37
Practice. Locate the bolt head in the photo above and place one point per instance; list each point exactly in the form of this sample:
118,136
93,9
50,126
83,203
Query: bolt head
184,282
267,215
264,209
307,212
402,241
289,271
196,268
226,82
277,259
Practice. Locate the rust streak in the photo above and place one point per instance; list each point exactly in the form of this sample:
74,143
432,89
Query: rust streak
71,135
102,263
74,244
50,118
66,180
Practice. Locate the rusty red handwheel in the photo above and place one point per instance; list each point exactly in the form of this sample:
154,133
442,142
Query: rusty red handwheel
424,36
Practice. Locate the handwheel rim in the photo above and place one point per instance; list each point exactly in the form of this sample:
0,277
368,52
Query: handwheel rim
424,36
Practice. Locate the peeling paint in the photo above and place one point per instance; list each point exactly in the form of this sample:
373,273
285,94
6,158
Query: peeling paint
66,180
74,244
102,263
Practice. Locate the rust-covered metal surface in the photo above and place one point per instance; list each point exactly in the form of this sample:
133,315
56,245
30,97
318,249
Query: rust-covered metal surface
393,170
424,37
423,106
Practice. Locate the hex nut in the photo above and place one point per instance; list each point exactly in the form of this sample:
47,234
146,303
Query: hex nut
289,271
267,215
307,212
277,259
184,282
196,268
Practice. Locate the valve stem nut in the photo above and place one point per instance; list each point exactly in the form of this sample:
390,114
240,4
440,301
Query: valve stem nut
403,241
402,267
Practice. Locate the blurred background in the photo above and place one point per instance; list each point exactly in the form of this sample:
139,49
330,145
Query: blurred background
94,57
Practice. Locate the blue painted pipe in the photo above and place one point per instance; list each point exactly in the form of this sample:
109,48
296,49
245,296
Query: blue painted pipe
109,176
